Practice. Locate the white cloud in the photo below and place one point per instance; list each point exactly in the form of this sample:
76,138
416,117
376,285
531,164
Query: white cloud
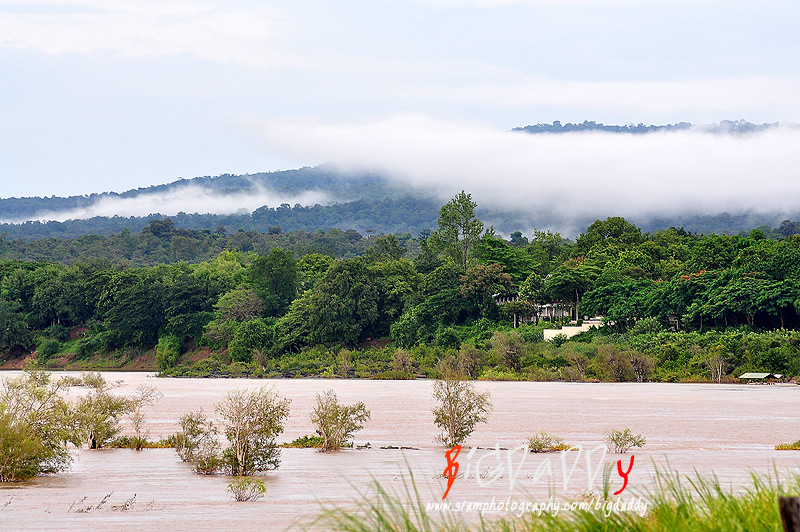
146,28
503,3
189,199
423,78
570,175
755,94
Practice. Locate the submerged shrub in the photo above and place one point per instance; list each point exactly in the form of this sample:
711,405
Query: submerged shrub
545,443
252,420
305,442
247,489
621,441
460,408
337,423
98,413
197,442
35,423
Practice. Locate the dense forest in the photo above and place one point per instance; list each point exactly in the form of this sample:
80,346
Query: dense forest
677,305
400,215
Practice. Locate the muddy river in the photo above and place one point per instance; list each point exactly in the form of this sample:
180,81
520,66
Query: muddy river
727,430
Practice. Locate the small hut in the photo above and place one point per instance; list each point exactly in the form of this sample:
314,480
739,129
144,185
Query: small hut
756,378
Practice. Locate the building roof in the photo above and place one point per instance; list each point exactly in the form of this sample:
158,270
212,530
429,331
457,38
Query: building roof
755,375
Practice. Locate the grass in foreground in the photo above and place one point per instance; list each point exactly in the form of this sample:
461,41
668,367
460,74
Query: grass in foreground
676,504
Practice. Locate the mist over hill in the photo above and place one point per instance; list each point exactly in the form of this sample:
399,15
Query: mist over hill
383,200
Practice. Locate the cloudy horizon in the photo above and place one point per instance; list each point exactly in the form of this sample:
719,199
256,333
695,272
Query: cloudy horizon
116,95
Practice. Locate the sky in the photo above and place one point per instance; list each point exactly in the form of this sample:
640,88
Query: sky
101,95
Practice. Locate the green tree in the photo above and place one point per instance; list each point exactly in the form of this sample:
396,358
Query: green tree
447,338
398,285
234,307
611,232
14,333
99,412
132,304
569,283
345,304
168,352
188,306
252,420
293,331
714,252
239,305
517,240
313,267
384,248
276,279
35,422
337,423
426,260
548,250
531,289
459,230
516,262
422,322
249,336
481,282
459,408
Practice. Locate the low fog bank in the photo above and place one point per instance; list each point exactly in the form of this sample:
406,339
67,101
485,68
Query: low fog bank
561,182
506,223
188,199
570,176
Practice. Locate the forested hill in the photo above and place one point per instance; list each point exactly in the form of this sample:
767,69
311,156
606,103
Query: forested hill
387,215
726,127
364,202
337,186
405,214
321,198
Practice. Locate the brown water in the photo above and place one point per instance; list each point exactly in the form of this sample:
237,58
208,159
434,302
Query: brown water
729,430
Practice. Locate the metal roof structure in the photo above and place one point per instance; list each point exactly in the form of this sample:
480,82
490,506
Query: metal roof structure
755,375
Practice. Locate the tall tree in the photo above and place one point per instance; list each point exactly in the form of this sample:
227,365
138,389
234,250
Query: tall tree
252,421
459,229
276,278
132,305
345,304
14,332
481,282
569,283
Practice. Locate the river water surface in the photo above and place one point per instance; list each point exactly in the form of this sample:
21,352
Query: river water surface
727,430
